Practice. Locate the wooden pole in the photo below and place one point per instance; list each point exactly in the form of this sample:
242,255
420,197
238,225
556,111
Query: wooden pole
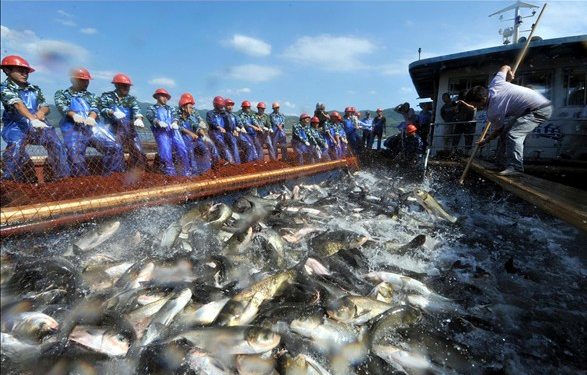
514,69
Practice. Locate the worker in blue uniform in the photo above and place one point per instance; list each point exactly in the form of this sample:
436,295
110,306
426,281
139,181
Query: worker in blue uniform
279,138
351,129
122,112
25,123
193,136
81,127
266,135
165,128
221,133
332,137
247,134
300,141
317,142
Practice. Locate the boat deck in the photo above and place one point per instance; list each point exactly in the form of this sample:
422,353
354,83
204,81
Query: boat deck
565,202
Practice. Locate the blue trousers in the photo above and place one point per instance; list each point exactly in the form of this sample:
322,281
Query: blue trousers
198,154
15,155
302,151
128,137
77,138
280,141
169,140
247,146
226,145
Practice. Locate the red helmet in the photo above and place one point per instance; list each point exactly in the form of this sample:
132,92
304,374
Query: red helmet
218,101
303,116
411,129
122,78
335,115
353,109
246,103
80,73
348,109
315,120
14,60
186,98
358,114
379,110
228,101
261,105
161,92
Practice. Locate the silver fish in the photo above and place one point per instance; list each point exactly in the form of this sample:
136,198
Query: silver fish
433,207
97,236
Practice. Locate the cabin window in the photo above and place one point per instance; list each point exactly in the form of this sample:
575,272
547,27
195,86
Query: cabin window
455,85
540,81
574,81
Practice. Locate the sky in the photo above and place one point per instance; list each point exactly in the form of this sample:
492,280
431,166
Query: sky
299,53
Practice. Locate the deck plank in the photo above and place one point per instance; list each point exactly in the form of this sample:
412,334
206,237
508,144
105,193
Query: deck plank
564,202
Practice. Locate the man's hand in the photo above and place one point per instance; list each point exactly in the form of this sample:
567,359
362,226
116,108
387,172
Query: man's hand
38,124
118,114
139,123
90,121
78,119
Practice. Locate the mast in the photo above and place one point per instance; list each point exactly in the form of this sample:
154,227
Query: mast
514,31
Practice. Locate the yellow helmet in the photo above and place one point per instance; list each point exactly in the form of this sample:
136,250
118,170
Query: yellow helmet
275,105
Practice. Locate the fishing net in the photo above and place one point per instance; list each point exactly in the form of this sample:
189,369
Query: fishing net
40,202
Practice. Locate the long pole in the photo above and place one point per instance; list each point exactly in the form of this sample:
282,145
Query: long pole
516,66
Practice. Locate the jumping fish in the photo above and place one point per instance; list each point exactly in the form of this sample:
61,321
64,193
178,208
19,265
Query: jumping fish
97,236
433,207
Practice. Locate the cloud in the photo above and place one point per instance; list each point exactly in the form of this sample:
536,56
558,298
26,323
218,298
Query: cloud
288,104
330,53
244,90
89,31
404,89
162,81
253,73
103,74
66,19
45,54
250,46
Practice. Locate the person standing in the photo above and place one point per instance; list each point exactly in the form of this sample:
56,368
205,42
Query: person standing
332,136
25,122
220,133
514,112
122,111
424,122
81,126
199,153
248,139
279,138
321,113
165,128
300,141
379,129
367,125
318,145
464,116
351,129
449,116
265,124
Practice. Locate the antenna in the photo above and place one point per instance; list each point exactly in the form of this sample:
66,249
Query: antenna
514,31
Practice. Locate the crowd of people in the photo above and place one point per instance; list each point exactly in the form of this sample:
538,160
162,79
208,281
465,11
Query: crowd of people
187,144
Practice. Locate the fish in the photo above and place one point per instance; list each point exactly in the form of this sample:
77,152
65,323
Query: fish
274,246
231,340
31,325
96,237
243,307
303,364
405,283
331,242
401,249
170,235
326,334
398,317
101,339
433,207
412,362
356,310
218,215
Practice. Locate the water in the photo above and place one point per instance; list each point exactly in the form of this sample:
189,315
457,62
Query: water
517,275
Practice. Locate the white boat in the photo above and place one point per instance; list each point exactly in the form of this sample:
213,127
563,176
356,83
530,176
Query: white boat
555,67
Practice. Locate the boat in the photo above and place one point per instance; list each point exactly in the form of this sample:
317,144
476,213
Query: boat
556,151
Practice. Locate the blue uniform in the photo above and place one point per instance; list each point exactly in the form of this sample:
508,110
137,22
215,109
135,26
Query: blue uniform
301,143
367,125
332,139
248,121
379,125
18,132
125,131
78,137
168,139
317,144
351,130
199,152
279,138
225,142
265,124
